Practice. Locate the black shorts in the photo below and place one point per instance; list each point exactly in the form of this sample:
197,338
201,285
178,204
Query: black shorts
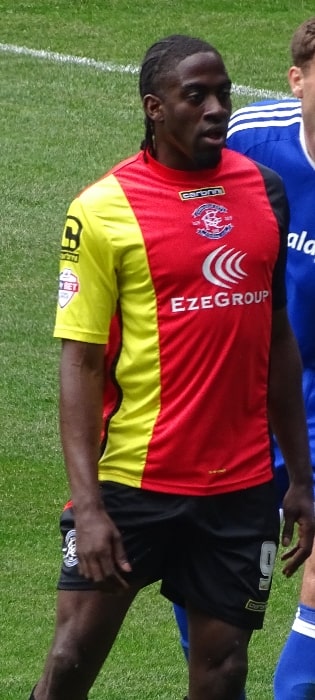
216,553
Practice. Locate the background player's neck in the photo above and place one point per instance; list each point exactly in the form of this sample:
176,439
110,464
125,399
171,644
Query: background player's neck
307,139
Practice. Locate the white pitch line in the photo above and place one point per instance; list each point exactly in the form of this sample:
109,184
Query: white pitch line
55,57
260,93
109,67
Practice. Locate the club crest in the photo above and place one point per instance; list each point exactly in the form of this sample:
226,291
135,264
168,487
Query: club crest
69,549
213,221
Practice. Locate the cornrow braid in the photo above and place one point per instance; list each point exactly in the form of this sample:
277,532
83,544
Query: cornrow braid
159,60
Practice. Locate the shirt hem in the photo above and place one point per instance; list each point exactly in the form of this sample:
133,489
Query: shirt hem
185,490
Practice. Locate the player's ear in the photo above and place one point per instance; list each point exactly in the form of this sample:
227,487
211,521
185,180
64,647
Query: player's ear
153,108
295,78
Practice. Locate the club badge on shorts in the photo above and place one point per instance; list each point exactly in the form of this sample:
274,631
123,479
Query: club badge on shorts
69,549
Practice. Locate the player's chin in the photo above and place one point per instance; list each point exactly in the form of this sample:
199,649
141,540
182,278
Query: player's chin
208,157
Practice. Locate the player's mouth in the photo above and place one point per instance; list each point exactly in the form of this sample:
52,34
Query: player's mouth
213,137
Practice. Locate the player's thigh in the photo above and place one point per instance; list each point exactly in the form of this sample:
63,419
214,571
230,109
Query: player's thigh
214,639
86,626
88,622
218,658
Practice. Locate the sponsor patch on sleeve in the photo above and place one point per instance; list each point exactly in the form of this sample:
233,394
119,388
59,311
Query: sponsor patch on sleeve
68,287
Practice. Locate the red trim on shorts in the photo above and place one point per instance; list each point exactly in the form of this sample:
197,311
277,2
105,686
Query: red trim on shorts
69,504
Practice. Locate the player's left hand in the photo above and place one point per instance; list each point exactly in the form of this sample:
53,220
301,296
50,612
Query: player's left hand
298,508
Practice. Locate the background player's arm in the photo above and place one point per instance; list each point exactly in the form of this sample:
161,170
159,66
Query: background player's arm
99,547
287,419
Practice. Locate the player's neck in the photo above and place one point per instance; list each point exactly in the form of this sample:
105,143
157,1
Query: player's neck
307,138
310,145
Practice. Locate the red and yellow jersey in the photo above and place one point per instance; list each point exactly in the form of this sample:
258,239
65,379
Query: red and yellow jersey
177,274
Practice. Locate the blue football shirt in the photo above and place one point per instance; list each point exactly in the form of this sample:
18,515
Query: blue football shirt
271,132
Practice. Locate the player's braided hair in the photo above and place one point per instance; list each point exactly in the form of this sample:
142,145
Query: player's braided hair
158,61
303,43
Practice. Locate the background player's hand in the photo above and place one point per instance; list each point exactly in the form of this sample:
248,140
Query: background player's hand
100,550
298,508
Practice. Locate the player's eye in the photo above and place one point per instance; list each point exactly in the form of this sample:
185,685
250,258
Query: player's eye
195,96
224,94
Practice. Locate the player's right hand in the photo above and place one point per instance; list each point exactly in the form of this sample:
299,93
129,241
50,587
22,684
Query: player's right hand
100,550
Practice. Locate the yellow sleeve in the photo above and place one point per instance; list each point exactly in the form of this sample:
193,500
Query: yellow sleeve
87,296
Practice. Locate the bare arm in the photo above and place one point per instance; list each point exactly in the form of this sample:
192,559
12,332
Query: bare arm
99,547
288,422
